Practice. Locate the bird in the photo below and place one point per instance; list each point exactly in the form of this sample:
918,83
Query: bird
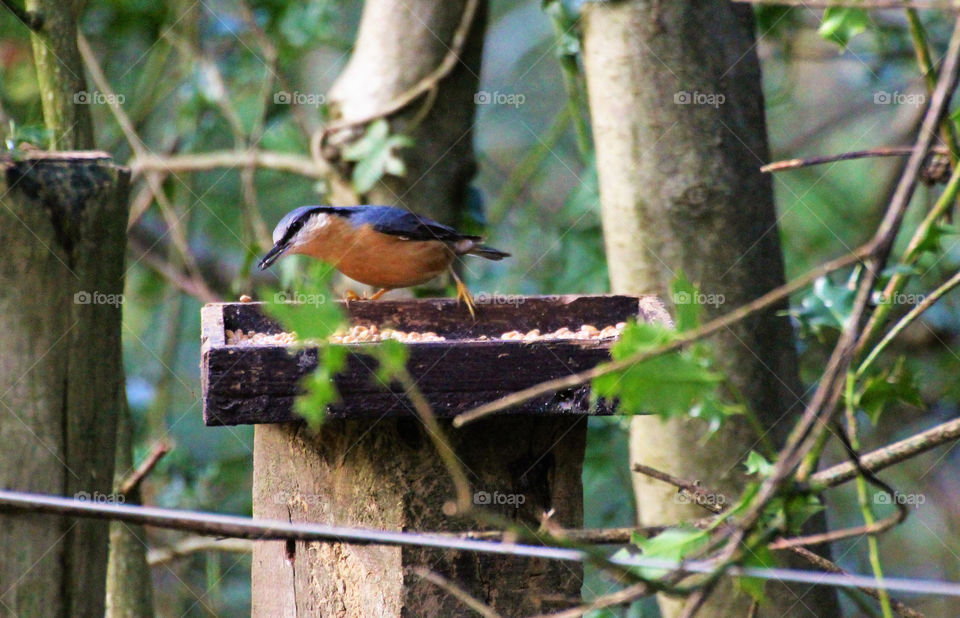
382,246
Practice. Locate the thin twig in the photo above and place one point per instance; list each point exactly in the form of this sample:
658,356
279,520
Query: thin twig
772,297
822,563
620,597
861,4
456,591
136,477
701,496
886,151
197,544
30,19
280,161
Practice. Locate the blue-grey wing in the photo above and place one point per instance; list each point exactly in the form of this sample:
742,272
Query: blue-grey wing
401,222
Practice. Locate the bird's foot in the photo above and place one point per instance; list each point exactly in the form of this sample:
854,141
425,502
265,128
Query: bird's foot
464,294
350,295
379,294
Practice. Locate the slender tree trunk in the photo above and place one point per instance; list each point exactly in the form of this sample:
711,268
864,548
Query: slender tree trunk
129,587
678,119
63,85
398,44
63,230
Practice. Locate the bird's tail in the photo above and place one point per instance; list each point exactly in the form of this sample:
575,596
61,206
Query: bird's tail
488,252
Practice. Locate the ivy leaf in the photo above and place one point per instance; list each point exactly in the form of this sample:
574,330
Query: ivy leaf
685,301
896,384
758,464
667,385
842,24
375,157
674,544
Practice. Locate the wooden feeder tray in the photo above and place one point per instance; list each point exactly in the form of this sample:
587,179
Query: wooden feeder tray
251,384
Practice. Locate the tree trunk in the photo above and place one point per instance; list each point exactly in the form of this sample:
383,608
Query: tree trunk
678,118
129,587
63,230
63,85
398,44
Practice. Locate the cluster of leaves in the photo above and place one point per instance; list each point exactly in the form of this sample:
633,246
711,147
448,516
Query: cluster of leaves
683,382
313,323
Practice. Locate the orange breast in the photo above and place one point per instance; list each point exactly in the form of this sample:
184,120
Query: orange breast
379,259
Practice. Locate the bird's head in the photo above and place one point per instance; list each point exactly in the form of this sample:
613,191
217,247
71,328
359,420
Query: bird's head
297,228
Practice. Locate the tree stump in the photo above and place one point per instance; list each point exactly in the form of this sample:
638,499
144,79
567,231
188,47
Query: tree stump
372,464
63,223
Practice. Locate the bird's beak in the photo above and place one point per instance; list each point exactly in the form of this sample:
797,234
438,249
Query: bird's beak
272,255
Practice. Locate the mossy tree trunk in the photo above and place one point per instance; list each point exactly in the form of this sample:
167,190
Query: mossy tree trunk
678,118
63,230
63,85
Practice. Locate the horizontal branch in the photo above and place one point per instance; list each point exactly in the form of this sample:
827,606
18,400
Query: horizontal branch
197,544
861,4
888,455
890,151
280,161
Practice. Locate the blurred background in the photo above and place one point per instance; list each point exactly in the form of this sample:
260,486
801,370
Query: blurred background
202,76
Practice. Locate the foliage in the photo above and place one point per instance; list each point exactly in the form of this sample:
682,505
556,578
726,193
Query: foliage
679,383
375,156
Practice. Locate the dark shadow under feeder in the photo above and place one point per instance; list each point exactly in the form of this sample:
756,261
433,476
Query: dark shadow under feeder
371,464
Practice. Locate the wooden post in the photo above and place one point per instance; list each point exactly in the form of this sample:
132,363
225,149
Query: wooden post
63,231
372,464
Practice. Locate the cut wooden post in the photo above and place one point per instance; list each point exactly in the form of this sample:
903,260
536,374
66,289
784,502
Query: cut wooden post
372,464
63,231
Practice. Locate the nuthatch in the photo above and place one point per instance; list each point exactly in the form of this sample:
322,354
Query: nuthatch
382,246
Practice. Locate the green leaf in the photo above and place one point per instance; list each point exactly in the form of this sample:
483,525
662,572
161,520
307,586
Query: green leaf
758,557
758,464
825,308
675,544
932,242
374,155
667,385
842,24
311,314
319,386
392,359
896,384
686,303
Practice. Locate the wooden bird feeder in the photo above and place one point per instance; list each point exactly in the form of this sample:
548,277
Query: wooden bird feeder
372,465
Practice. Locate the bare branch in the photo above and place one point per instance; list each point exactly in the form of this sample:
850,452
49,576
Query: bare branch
136,477
457,592
197,544
280,161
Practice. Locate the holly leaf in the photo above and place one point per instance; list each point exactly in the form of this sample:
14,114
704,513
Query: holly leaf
896,384
375,157
758,557
933,241
667,385
842,24
674,544
686,303
825,308
758,464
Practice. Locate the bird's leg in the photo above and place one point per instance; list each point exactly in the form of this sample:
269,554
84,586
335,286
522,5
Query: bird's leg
379,294
464,294
350,295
